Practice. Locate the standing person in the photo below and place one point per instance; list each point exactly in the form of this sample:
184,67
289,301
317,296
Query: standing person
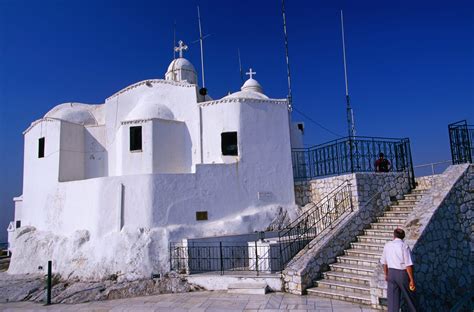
398,268
382,164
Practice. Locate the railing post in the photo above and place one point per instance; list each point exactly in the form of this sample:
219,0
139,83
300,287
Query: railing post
221,257
48,283
171,257
256,258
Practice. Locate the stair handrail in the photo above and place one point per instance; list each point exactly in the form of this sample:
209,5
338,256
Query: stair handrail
317,218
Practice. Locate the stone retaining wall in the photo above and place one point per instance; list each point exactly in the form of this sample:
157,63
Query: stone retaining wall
302,193
371,193
424,183
440,235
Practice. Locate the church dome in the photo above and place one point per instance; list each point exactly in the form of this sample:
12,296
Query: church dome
149,110
181,70
251,89
252,85
77,113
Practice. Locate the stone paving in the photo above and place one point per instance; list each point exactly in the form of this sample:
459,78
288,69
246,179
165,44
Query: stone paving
205,301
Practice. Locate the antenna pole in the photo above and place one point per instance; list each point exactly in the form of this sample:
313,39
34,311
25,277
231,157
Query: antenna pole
350,113
240,66
290,97
202,53
174,40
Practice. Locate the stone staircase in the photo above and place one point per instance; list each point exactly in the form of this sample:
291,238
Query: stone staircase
349,277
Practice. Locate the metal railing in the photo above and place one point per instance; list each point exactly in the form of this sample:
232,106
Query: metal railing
318,218
352,154
263,256
461,141
431,168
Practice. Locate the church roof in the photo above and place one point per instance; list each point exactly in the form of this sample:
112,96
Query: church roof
78,113
150,108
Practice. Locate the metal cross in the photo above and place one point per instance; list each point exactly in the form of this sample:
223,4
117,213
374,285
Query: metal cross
250,73
180,48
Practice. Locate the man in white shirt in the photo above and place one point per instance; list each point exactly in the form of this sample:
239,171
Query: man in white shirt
398,268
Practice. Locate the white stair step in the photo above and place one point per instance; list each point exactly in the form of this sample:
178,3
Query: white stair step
339,295
385,226
373,232
374,239
344,286
401,208
370,254
396,214
359,261
347,277
354,269
368,246
248,288
391,219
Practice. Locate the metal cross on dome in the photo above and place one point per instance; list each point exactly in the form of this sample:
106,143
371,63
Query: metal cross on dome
250,73
180,48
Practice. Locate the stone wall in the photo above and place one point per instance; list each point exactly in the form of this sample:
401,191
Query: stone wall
424,183
302,193
371,194
440,235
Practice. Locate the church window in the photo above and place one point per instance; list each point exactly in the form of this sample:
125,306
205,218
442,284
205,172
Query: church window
136,138
201,215
229,143
18,224
41,148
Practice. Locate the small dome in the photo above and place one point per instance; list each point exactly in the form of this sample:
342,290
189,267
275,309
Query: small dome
252,85
251,89
149,110
77,113
181,69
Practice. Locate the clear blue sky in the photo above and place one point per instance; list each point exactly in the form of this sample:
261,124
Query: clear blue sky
411,63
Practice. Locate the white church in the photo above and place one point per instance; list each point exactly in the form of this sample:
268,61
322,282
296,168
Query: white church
106,187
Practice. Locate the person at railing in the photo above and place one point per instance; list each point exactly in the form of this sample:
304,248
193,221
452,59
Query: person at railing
382,164
398,269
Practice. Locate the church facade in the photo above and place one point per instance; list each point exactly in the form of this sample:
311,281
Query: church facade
107,186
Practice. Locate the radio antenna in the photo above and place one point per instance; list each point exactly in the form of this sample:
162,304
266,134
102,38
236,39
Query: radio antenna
290,97
174,40
350,113
240,66
201,38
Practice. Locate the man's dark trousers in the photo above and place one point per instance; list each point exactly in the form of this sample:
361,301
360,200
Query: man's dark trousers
398,283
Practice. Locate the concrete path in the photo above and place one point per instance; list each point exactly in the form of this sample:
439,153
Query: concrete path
205,301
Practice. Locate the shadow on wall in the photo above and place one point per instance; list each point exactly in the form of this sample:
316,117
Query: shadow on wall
442,256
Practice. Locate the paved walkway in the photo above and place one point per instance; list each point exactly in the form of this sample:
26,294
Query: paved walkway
205,301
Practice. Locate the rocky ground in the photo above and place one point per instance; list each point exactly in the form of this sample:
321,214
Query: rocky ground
32,287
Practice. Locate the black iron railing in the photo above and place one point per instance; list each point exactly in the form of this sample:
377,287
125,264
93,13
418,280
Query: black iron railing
351,154
264,255
461,139
315,220
219,257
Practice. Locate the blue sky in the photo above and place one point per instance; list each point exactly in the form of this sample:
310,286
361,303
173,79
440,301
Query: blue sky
410,63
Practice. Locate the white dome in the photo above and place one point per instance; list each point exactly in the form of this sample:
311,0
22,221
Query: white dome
181,69
77,113
252,85
251,89
149,110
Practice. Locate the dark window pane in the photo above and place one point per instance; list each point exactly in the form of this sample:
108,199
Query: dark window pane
229,143
18,224
201,215
41,148
136,138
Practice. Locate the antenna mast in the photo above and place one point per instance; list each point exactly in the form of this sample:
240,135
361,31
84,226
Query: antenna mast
202,55
174,40
240,66
350,113
290,97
